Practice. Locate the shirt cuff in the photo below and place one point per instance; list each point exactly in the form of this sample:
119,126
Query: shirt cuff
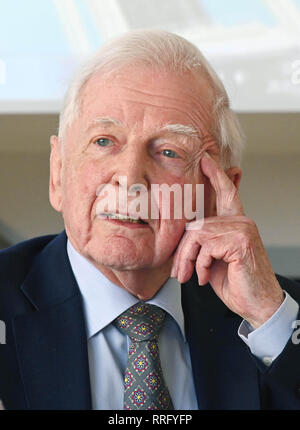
269,340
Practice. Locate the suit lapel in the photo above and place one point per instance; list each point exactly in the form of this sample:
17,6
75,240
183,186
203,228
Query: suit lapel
225,373
51,340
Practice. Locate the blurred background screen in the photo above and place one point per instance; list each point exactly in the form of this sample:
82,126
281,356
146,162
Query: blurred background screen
254,45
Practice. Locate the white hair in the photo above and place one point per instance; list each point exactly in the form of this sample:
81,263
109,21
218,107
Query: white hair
166,52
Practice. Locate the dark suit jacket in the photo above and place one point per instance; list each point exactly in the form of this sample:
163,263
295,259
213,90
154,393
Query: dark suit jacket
44,363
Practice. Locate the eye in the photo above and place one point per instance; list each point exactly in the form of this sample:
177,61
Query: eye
104,142
169,153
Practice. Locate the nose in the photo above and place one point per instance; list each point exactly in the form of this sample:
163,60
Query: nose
132,164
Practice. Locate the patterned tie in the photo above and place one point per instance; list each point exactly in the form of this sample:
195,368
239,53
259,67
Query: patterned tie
144,386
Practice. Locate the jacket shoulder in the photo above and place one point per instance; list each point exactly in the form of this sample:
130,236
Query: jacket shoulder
23,252
16,261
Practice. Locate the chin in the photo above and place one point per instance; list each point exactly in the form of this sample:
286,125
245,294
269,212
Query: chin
119,257
121,263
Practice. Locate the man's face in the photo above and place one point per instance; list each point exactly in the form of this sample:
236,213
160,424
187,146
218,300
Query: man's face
121,132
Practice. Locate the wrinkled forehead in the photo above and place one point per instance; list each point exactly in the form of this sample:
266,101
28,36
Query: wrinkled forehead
179,98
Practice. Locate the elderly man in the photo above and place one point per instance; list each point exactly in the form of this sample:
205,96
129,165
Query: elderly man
140,311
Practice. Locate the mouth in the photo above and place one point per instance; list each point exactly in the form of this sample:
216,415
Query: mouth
124,218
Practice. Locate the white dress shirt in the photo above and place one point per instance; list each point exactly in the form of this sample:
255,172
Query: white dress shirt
104,301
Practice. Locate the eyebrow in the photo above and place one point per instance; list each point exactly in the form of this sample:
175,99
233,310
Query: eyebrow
180,129
104,121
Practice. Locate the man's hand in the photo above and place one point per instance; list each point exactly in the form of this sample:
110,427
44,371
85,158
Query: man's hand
229,254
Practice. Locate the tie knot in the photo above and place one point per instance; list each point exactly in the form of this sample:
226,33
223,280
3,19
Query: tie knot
141,322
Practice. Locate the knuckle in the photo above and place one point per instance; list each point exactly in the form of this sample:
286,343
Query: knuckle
244,238
250,222
248,225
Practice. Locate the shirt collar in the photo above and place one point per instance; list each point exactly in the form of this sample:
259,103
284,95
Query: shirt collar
103,301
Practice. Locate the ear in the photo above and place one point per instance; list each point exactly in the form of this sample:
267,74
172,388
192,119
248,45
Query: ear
55,191
235,175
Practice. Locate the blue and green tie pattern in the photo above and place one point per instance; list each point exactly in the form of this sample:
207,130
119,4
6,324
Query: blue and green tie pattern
144,385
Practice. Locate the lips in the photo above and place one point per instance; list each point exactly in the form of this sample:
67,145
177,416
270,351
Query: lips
122,217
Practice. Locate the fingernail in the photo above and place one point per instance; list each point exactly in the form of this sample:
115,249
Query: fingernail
173,272
206,154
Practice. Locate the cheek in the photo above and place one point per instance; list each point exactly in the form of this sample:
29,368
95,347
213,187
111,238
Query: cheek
171,193
209,199
170,234
80,185
197,194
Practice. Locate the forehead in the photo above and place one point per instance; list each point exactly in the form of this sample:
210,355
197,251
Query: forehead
141,96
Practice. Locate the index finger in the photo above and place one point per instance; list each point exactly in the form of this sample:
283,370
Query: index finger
227,198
